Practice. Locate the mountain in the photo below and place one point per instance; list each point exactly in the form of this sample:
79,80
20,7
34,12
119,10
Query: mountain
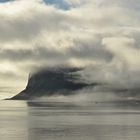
53,81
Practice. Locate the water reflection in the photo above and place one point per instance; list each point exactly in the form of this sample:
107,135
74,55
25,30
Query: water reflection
68,121
13,120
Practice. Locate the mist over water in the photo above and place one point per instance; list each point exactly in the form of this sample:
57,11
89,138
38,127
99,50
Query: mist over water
76,117
81,97
102,37
62,122
93,113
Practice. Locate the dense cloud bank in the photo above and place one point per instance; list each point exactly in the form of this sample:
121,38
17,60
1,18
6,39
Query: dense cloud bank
102,36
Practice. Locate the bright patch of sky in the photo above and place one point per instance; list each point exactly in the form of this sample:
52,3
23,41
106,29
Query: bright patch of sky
5,0
61,4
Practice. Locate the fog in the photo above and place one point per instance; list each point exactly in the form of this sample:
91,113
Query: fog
102,37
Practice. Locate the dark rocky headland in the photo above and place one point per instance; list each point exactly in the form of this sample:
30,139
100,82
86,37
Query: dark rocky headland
53,81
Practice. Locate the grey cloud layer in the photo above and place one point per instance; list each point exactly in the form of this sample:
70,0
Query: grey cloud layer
101,34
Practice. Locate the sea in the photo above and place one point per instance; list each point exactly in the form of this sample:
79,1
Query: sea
63,120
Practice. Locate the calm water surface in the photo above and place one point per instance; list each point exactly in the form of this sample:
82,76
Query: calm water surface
68,121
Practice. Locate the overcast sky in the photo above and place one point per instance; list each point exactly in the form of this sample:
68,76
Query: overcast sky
101,35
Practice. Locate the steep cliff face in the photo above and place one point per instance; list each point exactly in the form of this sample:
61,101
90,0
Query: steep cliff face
52,81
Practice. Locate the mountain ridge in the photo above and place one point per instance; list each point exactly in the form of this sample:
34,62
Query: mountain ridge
53,81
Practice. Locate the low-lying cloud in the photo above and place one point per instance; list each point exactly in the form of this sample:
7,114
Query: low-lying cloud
102,36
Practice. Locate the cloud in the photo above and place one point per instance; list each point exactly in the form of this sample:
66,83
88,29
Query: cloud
102,35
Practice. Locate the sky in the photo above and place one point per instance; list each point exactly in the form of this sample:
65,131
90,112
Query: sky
100,35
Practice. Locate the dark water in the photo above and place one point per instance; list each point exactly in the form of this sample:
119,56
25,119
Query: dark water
68,121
